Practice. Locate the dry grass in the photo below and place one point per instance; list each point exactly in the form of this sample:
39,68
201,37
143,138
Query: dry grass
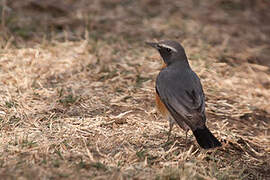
78,103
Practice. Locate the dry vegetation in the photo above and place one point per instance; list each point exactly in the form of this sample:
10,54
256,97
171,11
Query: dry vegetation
77,89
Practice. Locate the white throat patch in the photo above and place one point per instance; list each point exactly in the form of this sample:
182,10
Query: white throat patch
169,47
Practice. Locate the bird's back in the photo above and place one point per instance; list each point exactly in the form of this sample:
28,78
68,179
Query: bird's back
179,79
180,87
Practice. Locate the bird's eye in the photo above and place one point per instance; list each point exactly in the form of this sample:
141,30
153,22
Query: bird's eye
168,50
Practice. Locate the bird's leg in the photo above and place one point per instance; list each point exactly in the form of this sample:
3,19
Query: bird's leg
186,136
171,123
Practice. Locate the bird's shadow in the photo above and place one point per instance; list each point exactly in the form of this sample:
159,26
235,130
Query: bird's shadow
177,141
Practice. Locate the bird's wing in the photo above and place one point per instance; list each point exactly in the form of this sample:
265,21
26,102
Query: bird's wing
183,96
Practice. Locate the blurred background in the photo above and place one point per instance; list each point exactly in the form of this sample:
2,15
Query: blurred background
240,27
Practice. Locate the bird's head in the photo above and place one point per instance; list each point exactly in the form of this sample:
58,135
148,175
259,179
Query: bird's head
170,51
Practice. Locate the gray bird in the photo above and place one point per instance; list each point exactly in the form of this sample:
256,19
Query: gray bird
179,93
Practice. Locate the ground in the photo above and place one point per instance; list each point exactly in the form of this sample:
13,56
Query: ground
77,89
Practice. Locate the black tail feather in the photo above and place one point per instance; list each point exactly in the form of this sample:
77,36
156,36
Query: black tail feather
205,138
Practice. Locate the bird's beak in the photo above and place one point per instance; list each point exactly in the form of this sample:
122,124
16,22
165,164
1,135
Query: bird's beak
153,44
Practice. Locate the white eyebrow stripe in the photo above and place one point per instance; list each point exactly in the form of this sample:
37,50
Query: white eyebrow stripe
166,46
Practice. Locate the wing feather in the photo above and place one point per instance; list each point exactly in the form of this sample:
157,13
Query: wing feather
183,96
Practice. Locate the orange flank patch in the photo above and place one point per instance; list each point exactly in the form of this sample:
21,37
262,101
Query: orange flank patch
163,65
161,107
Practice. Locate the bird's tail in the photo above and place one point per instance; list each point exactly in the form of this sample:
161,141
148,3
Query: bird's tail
205,138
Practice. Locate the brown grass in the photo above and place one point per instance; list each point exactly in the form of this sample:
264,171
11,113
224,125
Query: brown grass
77,90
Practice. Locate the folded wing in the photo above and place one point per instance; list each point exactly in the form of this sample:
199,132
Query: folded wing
184,98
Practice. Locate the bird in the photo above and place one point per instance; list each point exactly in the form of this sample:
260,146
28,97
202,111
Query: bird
179,94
